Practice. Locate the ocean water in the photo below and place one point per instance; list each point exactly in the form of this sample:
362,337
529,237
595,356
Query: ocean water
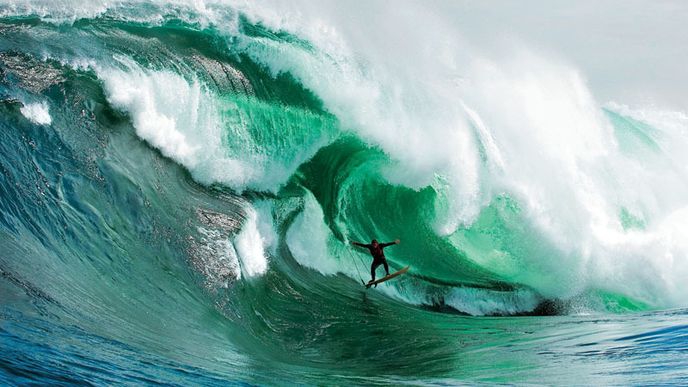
180,183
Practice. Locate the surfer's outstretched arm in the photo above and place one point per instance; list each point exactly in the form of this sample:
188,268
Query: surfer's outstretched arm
360,244
396,242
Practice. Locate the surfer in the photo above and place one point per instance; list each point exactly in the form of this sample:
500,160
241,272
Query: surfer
375,249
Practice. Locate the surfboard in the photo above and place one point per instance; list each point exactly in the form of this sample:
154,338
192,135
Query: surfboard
387,277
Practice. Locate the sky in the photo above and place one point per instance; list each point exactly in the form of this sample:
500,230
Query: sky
631,52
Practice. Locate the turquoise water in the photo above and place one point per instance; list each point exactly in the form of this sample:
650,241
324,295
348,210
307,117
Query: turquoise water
179,192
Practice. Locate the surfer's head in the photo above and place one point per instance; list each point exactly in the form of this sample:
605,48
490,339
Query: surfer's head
373,242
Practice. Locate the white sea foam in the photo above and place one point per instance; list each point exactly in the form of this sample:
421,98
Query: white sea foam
251,245
37,112
214,256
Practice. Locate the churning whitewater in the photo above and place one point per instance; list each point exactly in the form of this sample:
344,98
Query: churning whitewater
181,182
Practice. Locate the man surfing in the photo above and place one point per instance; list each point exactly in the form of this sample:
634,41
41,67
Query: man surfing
375,249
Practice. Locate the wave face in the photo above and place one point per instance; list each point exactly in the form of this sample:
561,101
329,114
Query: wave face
181,182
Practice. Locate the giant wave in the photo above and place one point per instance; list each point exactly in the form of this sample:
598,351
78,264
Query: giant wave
209,164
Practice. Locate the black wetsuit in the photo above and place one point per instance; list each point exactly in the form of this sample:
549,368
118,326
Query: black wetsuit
378,256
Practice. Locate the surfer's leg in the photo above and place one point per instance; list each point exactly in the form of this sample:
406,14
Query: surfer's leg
386,267
372,270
